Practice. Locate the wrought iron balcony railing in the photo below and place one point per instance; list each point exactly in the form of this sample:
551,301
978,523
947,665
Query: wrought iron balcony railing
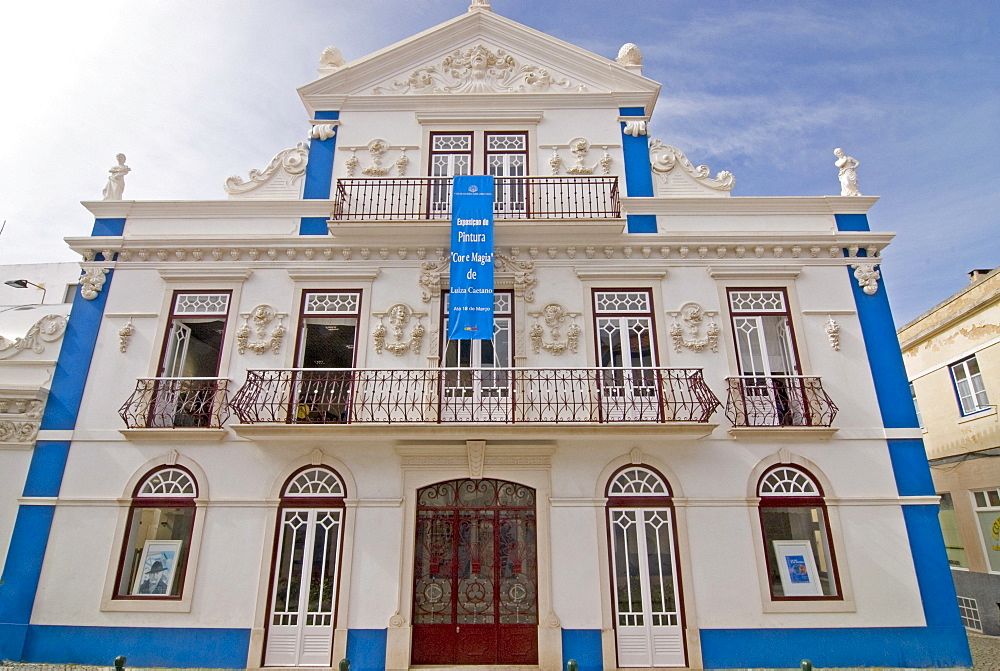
778,400
176,402
491,395
409,198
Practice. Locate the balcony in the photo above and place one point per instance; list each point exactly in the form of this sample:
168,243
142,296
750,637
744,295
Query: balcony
177,403
464,395
778,401
416,198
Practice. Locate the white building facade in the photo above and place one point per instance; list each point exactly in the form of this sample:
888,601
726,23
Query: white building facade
689,442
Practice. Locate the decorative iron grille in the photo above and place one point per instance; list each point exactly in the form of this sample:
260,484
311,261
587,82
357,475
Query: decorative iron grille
408,198
778,400
489,395
176,402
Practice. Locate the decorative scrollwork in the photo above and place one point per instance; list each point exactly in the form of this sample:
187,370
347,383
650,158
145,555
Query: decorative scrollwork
262,315
867,276
399,316
554,316
479,69
833,332
524,275
125,336
92,281
293,161
691,315
664,158
47,329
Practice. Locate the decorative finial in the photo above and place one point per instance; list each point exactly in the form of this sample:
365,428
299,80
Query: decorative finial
848,173
331,59
116,182
629,54
480,4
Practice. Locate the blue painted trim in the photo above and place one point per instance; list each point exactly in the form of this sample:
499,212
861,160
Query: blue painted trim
319,175
366,649
906,647
930,561
638,173
640,223
20,575
45,473
48,462
73,366
885,360
852,222
909,467
143,646
314,226
105,227
583,645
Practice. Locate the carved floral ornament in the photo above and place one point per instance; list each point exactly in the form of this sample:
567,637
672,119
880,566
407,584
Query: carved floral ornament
687,328
865,270
20,417
665,158
261,316
377,150
833,333
580,148
47,329
293,161
479,69
125,336
399,316
552,318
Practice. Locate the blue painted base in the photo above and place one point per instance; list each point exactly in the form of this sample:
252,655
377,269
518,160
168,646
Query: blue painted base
366,649
143,646
641,223
583,645
313,226
903,647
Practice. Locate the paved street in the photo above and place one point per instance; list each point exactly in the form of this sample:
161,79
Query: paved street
985,652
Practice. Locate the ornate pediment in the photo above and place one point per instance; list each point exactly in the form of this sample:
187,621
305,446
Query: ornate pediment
480,69
280,179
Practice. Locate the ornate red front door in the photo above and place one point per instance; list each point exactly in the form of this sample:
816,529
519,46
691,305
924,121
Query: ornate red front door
475,575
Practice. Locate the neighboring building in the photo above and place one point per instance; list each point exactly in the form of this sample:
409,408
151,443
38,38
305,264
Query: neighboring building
952,357
33,313
689,442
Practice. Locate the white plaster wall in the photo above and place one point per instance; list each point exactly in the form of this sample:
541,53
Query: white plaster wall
13,470
751,224
190,229
376,569
576,579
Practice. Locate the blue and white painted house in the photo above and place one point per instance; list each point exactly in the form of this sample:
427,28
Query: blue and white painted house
689,442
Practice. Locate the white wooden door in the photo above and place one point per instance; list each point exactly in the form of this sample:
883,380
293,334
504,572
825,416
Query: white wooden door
300,630
767,359
647,608
628,381
477,379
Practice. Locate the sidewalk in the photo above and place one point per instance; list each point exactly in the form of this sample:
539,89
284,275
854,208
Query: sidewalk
985,652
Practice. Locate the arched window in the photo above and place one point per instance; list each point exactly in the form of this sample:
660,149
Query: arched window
648,618
306,569
796,533
158,536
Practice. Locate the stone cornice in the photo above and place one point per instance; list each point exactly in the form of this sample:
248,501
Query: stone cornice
822,205
196,209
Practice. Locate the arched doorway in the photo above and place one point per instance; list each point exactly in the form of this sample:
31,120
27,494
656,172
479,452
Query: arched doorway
306,569
649,622
475,577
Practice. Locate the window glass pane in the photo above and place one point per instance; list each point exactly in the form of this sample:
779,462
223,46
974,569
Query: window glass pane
989,525
328,342
798,523
151,567
993,496
980,499
949,529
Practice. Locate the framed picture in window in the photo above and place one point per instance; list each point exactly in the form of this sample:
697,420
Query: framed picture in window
797,568
157,568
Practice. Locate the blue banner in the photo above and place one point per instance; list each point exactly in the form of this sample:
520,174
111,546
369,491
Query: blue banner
470,307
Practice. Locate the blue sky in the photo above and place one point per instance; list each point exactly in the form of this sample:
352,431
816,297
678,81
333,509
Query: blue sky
195,91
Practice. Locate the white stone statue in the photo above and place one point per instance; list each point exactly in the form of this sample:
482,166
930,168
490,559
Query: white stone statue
116,182
848,173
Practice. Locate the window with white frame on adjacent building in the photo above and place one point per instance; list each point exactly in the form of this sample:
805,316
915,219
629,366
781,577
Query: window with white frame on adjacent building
953,543
987,506
969,386
916,406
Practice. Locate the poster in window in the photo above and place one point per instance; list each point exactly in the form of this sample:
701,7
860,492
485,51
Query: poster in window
157,568
797,568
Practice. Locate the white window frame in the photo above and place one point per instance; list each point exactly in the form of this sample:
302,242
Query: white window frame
976,400
987,502
968,609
